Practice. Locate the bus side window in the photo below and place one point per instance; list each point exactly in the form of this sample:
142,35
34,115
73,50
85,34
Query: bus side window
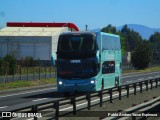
108,67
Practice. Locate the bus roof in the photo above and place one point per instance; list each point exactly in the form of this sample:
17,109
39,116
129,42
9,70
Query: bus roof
89,33
108,34
78,33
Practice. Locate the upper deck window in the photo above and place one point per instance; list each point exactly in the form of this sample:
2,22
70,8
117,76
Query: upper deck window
77,43
110,43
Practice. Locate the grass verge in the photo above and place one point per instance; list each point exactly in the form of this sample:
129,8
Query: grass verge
151,69
21,84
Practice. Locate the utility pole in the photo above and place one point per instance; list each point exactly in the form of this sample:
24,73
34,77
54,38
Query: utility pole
86,27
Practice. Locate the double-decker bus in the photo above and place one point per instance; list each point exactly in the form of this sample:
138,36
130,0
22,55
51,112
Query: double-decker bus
88,62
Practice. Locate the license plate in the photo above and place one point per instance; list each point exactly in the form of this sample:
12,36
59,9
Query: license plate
75,61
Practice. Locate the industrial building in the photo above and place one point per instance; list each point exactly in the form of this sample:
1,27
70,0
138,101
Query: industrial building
38,40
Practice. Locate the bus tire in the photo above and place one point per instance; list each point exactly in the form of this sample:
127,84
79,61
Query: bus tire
66,94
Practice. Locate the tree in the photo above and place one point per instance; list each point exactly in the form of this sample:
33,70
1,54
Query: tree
155,37
109,29
12,62
125,30
1,68
123,47
155,45
141,57
29,61
132,38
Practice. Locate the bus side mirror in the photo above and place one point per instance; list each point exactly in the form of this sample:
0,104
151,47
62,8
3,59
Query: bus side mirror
53,58
98,55
98,67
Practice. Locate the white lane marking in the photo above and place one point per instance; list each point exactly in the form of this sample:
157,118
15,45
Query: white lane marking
40,99
139,74
26,92
30,119
129,81
85,103
140,79
3,107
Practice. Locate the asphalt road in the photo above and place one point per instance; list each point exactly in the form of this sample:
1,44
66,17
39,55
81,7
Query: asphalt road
50,93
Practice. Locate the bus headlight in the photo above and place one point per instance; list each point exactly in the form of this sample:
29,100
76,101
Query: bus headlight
92,81
60,82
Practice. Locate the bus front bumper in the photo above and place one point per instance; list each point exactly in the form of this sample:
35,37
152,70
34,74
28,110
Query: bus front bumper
76,87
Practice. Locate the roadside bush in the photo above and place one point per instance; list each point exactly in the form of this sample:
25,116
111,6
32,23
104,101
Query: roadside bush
4,67
9,63
28,61
1,69
141,57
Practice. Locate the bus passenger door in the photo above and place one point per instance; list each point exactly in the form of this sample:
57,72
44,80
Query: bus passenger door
108,71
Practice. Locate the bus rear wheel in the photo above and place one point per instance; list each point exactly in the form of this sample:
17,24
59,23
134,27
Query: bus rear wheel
66,94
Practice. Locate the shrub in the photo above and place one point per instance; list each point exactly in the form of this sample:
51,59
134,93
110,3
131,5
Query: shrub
141,57
9,63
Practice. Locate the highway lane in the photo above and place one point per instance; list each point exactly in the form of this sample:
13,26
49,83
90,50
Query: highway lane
28,96
137,77
47,93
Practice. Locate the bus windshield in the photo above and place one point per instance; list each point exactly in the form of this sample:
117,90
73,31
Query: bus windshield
79,69
77,44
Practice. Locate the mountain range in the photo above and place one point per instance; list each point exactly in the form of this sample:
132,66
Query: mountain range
144,31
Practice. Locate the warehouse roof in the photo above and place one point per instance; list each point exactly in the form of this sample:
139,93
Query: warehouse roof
31,31
35,24
36,29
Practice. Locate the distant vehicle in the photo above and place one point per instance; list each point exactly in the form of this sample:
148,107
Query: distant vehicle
88,62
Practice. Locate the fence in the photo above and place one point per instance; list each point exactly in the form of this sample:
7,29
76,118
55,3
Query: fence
55,104
39,72
129,66
29,73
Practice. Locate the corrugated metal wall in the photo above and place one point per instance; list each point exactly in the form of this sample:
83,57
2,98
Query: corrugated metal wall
38,47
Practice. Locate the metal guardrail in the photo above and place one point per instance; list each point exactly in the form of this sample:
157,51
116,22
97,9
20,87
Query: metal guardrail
55,104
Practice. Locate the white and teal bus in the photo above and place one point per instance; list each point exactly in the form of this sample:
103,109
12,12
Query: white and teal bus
88,62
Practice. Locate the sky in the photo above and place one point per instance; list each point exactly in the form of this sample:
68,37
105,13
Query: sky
94,13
